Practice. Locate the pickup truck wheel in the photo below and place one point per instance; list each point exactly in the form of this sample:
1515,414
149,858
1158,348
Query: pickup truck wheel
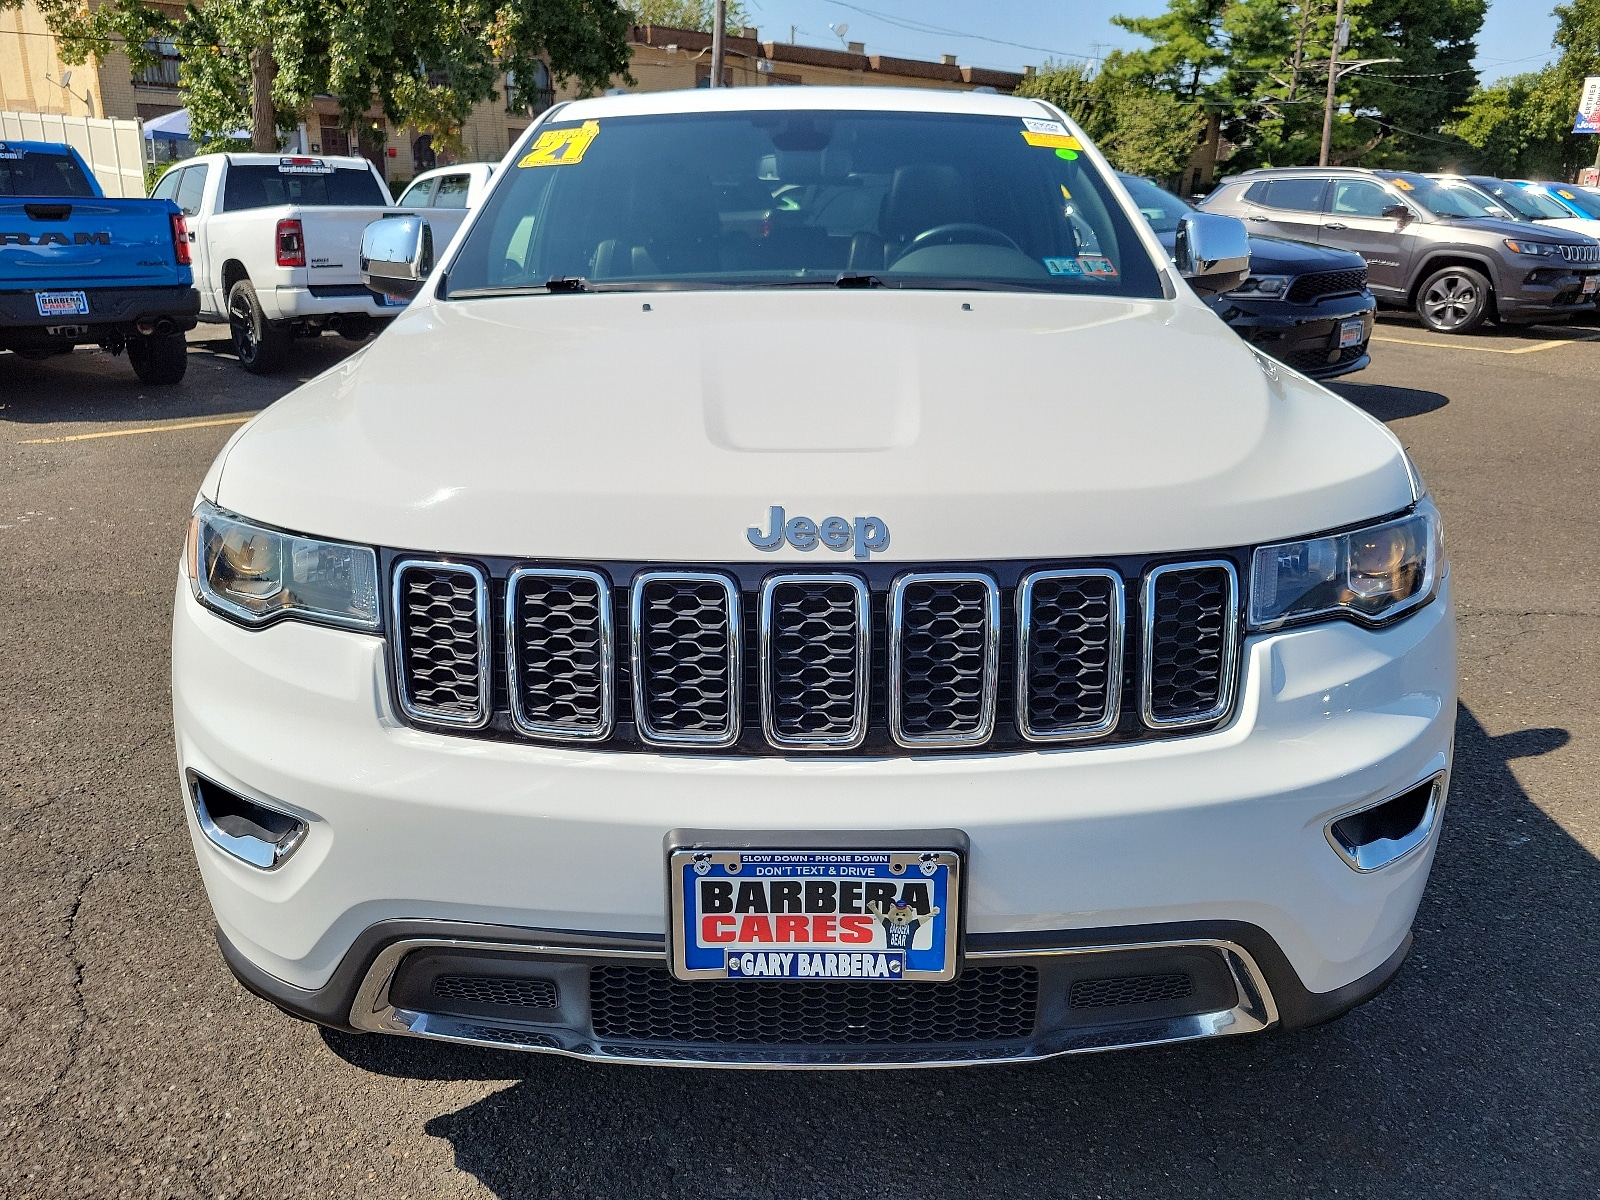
1453,300
259,343
159,361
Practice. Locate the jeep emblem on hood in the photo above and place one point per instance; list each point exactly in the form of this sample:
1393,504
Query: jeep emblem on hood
866,534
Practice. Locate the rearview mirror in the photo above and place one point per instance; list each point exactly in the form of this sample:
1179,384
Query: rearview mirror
1399,212
1212,251
397,256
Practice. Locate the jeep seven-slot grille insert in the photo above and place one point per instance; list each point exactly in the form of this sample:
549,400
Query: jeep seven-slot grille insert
1064,655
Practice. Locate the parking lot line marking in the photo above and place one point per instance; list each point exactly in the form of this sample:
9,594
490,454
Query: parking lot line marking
84,437
1533,349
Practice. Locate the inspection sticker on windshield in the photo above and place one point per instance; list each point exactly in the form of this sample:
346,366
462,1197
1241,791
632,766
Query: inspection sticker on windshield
1063,266
877,915
558,147
1048,133
1097,264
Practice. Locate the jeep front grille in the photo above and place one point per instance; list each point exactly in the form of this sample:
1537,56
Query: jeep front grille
441,642
816,639
686,654
871,660
1191,615
1581,254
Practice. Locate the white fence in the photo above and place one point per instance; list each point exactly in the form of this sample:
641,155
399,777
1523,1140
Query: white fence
113,149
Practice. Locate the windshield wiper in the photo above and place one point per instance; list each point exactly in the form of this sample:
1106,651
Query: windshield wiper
858,279
568,283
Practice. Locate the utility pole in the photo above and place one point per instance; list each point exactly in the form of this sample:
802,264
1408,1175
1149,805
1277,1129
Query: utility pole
718,25
1341,34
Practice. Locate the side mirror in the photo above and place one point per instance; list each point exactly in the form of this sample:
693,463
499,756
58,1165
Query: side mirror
1212,251
397,256
1399,212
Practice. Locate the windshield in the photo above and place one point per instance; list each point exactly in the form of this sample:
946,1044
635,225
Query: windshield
32,173
255,186
1530,206
1444,199
1159,206
1585,202
809,197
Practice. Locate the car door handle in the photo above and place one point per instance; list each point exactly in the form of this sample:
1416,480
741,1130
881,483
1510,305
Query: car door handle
1336,225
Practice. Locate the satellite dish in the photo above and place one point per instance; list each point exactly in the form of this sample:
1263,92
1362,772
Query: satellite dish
839,30
66,79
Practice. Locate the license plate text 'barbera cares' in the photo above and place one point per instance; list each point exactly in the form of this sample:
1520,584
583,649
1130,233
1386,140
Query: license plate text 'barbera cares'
815,914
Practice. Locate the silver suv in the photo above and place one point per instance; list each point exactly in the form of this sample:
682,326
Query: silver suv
1425,247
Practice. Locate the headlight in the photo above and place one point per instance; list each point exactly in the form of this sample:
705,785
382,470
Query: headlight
1370,575
1537,249
1263,287
256,575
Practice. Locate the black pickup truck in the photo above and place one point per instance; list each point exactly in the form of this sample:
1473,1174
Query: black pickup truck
78,268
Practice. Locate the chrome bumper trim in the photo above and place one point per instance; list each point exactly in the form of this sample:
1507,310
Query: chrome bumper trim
372,1012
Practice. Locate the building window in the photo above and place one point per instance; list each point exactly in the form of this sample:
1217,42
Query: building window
534,98
164,74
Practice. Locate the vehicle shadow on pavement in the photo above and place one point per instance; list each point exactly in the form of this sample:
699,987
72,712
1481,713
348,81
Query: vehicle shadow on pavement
1389,403
1477,1073
91,385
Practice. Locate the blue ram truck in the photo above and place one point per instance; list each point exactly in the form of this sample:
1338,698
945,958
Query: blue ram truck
78,268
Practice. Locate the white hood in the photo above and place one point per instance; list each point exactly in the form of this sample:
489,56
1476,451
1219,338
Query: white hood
586,427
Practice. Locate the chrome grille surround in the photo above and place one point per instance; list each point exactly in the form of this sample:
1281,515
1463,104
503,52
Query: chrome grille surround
461,653
653,662
1580,254
856,659
1227,636
956,678
1030,634
598,642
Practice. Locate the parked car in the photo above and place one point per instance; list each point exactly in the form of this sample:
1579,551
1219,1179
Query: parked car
1575,203
276,241
78,268
1519,202
445,188
1428,247
1306,305
894,634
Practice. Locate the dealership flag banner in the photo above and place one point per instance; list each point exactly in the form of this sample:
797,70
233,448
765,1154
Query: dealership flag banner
1589,107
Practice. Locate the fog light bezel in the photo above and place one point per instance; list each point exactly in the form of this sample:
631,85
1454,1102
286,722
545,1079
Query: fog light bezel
264,854
1380,853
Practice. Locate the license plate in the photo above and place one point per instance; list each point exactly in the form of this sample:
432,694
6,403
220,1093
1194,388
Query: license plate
1591,285
826,915
1351,333
62,304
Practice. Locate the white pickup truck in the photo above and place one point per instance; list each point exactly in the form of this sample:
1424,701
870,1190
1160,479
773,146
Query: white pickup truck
276,243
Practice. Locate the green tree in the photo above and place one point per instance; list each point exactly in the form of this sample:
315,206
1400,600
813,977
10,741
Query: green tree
421,62
689,14
1141,130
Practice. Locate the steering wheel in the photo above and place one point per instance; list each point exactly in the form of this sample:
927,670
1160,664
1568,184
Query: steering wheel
958,232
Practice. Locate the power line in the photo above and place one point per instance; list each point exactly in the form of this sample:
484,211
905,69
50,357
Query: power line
922,27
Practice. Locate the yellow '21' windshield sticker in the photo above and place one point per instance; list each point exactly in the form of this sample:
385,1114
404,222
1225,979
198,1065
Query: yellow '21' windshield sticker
558,147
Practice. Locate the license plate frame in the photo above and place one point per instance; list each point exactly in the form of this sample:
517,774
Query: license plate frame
911,929
62,304
1352,332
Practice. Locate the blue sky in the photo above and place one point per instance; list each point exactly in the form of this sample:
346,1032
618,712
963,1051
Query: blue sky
1516,35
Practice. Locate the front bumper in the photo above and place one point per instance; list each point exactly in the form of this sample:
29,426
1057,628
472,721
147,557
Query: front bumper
1546,292
1070,847
1304,336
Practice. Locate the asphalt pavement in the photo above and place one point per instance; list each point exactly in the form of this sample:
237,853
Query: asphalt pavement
131,1064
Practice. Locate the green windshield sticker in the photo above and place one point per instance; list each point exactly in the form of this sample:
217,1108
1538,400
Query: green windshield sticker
1062,266
558,147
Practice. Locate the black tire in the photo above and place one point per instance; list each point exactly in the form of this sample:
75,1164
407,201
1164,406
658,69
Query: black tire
1454,300
260,345
158,360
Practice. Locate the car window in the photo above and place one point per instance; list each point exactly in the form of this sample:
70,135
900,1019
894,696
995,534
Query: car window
41,173
1295,195
1520,203
452,191
778,198
264,185
1359,198
1584,202
1437,198
417,195
1159,206
167,188
191,189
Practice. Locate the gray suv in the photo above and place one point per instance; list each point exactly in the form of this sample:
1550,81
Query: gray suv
1425,248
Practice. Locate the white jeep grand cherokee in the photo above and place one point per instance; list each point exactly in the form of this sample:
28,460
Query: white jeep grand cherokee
807,582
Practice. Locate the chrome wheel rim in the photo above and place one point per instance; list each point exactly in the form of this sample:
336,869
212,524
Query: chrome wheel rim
1450,301
241,322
